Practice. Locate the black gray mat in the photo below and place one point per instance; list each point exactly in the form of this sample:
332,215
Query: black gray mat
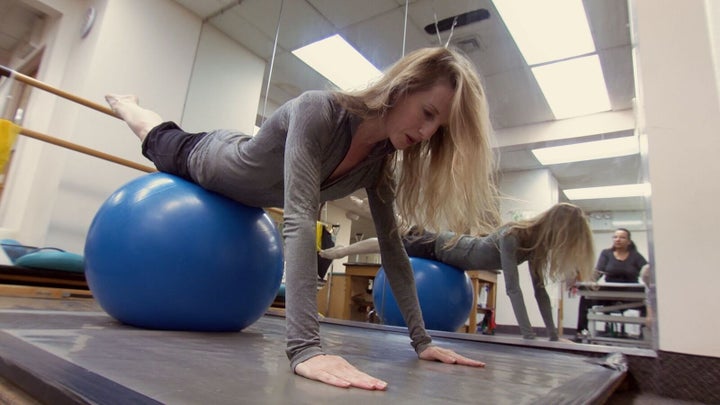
74,357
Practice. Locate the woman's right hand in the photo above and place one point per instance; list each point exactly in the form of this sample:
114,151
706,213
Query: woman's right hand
334,370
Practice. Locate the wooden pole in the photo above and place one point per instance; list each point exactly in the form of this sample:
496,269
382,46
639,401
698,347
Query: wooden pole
83,149
12,74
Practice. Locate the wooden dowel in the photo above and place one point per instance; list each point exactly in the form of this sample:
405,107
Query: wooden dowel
5,71
82,149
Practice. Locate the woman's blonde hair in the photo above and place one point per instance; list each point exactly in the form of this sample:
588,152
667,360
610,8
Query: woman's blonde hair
560,242
447,181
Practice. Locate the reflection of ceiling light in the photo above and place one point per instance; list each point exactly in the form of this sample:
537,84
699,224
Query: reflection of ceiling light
339,62
634,222
573,87
625,190
579,152
546,31
555,40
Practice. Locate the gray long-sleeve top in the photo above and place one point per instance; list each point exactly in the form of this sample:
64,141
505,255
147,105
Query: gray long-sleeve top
499,250
288,164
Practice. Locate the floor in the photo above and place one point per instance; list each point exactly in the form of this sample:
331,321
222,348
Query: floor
58,342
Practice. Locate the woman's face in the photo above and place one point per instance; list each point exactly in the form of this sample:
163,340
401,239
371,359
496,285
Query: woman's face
621,240
417,116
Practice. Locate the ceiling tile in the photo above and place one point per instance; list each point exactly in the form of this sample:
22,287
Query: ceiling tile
344,13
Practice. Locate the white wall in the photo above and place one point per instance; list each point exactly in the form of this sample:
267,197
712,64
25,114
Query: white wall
224,91
680,115
34,175
158,71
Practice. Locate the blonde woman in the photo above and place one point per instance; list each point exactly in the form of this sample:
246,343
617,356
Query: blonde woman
557,244
428,111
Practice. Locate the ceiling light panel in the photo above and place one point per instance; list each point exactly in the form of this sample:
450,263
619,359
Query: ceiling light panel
547,30
573,87
339,62
621,191
580,152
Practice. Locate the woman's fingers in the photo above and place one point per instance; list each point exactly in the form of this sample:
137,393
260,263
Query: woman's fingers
435,353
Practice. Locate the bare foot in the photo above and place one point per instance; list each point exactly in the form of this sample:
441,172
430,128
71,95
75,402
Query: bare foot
140,120
333,252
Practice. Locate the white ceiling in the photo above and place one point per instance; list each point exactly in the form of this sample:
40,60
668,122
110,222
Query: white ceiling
375,28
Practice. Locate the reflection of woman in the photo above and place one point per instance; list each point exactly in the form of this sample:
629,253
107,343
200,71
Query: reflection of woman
620,263
325,145
557,244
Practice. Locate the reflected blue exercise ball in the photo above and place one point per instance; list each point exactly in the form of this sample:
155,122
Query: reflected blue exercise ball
163,253
445,294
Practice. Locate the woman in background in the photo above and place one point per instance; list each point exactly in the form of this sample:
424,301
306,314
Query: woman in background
620,263
557,244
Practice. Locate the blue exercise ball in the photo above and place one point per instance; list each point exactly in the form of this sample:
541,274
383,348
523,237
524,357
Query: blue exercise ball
163,253
445,294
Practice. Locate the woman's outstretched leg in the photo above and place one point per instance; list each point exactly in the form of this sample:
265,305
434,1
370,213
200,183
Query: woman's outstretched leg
140,120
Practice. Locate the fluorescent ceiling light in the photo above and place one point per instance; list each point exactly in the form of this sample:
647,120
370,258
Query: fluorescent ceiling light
579,152
558,30
339,62
573,87
545,31
625,190
632,222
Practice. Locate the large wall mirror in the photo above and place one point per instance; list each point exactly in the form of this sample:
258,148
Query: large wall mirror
585,152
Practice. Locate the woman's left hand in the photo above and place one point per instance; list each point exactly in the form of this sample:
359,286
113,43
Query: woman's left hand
435,353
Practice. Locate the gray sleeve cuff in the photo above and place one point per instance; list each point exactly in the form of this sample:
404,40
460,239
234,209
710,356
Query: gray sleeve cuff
305,355
420,347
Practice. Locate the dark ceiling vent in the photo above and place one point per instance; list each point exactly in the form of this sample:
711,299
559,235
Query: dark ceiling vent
462,20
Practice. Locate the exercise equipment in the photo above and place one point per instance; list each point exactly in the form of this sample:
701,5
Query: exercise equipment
163,253
9,131
15,75
14,249
52,259
445,294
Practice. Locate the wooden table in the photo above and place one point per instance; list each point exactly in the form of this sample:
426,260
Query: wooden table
357,279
